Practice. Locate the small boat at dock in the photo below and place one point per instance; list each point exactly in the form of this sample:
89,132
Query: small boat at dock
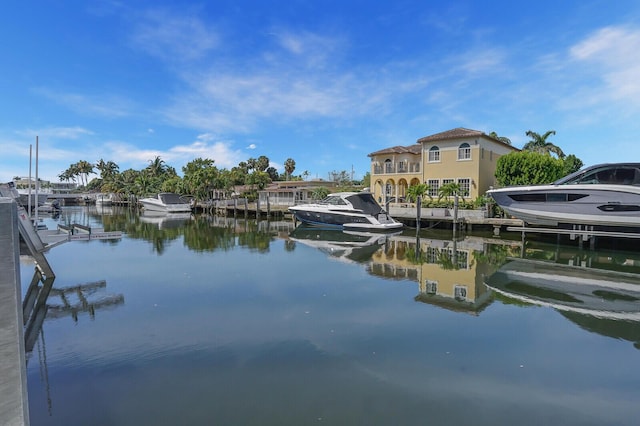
166,202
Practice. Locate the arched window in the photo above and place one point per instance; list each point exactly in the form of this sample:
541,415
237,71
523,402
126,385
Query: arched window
388,166
434,154
464,151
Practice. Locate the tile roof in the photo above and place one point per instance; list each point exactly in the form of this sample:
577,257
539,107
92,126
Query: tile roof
457,133
411,149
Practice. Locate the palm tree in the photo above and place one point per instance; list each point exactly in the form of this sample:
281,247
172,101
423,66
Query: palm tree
538,143
415,191
449,189
500,138
289,167
156,166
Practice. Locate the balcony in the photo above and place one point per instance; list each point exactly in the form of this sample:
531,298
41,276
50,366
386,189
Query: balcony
396,168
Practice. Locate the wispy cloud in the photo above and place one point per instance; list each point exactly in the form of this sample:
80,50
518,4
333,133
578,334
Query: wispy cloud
205,146
103,105
172,36
613,53
57,132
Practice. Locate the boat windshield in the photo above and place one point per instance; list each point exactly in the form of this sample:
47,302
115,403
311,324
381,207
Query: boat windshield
334,200
366,203
169,198
606,174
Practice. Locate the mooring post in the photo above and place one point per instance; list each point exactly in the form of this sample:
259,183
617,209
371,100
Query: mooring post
418,212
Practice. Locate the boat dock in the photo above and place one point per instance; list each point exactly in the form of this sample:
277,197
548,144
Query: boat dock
14,403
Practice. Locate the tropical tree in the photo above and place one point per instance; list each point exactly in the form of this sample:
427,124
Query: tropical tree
528,168
289,167
415,191
84,169
572,164
320,193
262,163
500,138
539,143
200,177
156,167
448,190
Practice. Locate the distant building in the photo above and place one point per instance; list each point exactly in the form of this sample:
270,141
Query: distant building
289,193
464,156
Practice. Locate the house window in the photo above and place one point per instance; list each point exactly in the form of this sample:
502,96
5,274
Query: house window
446,181
460,292
431,287
434,187
465,187
402,167
434,154
464,152
388,166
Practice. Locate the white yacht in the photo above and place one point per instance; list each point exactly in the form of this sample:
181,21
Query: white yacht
346,210
600,195
104,199
166,202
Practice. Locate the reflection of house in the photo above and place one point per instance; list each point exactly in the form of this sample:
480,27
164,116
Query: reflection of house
289,193
446,271
464,156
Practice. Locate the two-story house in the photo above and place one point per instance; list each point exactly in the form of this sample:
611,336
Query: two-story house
464,156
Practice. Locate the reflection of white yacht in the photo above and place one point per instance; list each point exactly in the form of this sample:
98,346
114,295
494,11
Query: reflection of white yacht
165,220
166,202
587,291
349,246
605,195
346,210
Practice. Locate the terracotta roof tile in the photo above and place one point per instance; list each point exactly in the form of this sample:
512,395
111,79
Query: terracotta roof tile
457,133
411,149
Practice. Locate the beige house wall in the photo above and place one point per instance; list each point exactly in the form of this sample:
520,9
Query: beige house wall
479,169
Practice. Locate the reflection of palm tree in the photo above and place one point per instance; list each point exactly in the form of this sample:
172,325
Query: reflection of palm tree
538,143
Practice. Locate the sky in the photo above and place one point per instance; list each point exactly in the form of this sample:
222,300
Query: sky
322,82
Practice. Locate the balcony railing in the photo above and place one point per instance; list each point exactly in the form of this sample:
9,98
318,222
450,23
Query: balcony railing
395,168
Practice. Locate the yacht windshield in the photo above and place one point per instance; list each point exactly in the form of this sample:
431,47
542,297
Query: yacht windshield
366,203
606,174
169,198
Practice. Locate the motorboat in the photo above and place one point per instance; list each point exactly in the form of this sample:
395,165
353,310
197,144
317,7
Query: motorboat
103,199
346,210
166,202
605,195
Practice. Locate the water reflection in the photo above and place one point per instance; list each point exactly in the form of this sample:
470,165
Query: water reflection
236,321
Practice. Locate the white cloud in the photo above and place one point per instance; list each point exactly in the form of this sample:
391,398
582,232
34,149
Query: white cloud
168,35
251,146
612,53
103,105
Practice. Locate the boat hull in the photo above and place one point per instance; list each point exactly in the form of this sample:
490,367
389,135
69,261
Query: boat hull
552,205
344,220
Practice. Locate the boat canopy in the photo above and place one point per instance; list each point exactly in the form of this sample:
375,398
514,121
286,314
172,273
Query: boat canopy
170,198
364,201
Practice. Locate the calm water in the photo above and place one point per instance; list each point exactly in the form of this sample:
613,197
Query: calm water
205,321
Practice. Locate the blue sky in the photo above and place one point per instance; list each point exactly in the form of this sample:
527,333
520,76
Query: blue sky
322,82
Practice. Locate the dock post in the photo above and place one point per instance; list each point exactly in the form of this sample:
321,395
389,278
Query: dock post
14,404
418,212
258,207
268,207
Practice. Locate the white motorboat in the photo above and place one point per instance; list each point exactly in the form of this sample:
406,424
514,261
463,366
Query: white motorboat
166,202
601,195
104,199
346,210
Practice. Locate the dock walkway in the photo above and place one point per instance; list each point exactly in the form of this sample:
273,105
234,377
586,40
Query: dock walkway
14,405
